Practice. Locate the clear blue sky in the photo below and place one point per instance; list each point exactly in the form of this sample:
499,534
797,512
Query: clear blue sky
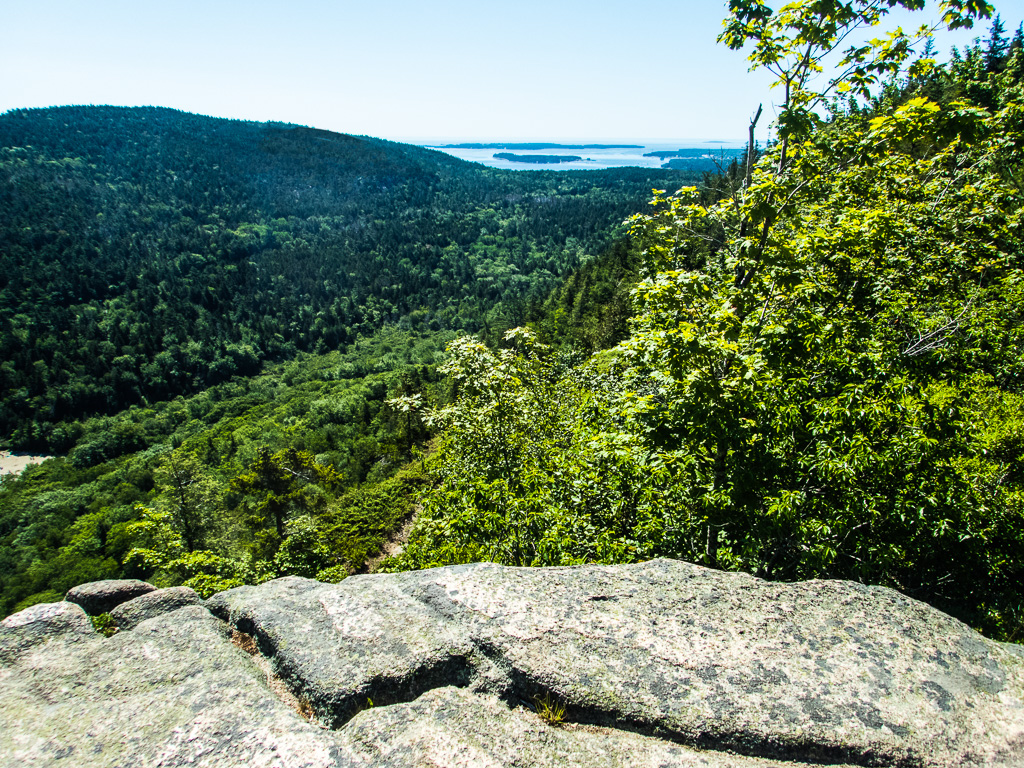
560,69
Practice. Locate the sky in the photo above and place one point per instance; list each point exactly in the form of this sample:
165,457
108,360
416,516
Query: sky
409,71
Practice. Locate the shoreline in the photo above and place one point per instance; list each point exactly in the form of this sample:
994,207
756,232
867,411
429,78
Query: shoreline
16,463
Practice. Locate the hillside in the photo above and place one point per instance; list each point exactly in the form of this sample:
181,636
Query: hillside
238,309
147,253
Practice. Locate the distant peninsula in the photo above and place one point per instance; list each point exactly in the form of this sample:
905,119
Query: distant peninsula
544,159
538,146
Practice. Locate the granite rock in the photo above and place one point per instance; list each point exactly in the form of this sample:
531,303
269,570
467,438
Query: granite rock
818,671
98,597
453,727
174,691
42,624
657,664
128,615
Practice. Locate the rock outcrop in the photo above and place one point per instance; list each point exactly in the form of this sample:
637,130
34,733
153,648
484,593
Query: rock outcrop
658,664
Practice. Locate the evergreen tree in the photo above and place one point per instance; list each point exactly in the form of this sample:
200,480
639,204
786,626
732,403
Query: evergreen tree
996,46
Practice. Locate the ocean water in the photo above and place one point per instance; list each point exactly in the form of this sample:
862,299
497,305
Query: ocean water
592,159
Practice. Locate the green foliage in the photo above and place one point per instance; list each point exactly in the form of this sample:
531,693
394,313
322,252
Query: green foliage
277,487
358,524
303,551
104,624
66,522
189,496
823,374
591,309
817,378
796,42
208,573
536,467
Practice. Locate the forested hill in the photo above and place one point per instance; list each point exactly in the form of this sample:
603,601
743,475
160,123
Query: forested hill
147,252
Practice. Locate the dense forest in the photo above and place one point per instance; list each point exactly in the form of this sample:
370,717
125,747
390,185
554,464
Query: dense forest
807,364
146,253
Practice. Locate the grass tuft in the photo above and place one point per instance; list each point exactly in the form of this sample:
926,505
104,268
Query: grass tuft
550,709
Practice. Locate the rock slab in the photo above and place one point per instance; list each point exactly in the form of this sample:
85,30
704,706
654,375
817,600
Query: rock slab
174,691
657,664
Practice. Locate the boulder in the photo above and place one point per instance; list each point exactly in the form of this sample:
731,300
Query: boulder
453,727
103,596
44,623
657,664
128,615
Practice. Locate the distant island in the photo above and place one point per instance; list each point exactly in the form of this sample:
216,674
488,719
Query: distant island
537,158
666,153
537,146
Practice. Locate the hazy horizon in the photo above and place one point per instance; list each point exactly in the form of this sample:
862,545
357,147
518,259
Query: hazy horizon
512,71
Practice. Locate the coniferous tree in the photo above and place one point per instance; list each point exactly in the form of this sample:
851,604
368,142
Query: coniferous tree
996,46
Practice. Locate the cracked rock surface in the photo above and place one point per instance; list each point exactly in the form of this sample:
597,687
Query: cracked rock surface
661,664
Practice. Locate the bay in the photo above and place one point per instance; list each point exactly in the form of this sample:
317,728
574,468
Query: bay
590,159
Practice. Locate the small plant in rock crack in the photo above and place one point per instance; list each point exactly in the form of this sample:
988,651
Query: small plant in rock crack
362,707
368,705
105,625
550,709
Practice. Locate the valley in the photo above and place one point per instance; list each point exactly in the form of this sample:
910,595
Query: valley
227,306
